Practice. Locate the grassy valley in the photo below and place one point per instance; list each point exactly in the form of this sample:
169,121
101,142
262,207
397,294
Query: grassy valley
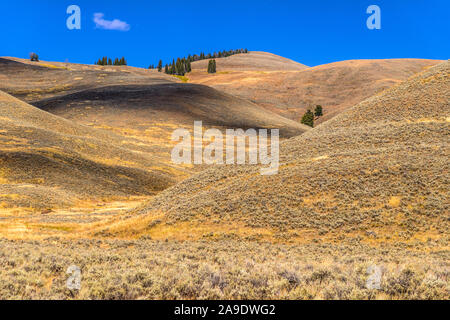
86,179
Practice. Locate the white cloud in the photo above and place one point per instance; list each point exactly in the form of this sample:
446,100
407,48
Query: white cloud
108,24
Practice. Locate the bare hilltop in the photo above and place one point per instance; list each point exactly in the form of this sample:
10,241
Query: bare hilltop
252,61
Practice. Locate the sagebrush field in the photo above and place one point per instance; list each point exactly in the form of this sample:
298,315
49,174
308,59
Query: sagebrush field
86,179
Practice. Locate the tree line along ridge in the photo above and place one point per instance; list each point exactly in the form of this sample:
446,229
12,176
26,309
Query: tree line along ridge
105,61
181,66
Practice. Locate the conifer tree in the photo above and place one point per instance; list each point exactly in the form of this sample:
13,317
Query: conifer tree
212,66
172,67
188,66
177,66
318,112
209,66
34,57
160,66
308,118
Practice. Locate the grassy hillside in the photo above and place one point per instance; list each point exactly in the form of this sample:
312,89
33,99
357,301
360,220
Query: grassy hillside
252,61
169,104
30,81
290,92
90,183
376,173
109,140
49,162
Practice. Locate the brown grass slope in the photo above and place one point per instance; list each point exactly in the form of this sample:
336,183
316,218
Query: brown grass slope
377,172
252,61
145,106
47,161
336,86
30,81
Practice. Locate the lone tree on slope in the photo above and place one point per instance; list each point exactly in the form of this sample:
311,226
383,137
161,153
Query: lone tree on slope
308,118
34,57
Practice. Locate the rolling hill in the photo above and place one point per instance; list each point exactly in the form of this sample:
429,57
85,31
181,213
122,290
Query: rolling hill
140,108
107,132
30,81
376,173
368,188
49,162
290,91
252,61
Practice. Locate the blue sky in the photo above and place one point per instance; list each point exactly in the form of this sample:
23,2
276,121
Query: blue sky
310,32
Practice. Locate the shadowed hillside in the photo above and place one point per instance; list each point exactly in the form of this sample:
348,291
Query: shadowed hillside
376,173
170,105
31,81
49,162
114,141
336,86
366,189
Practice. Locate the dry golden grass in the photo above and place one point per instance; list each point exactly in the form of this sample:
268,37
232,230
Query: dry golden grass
116,142
376,170
52,163
148,269
291,91
259,62
31,81
140,108
369,187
